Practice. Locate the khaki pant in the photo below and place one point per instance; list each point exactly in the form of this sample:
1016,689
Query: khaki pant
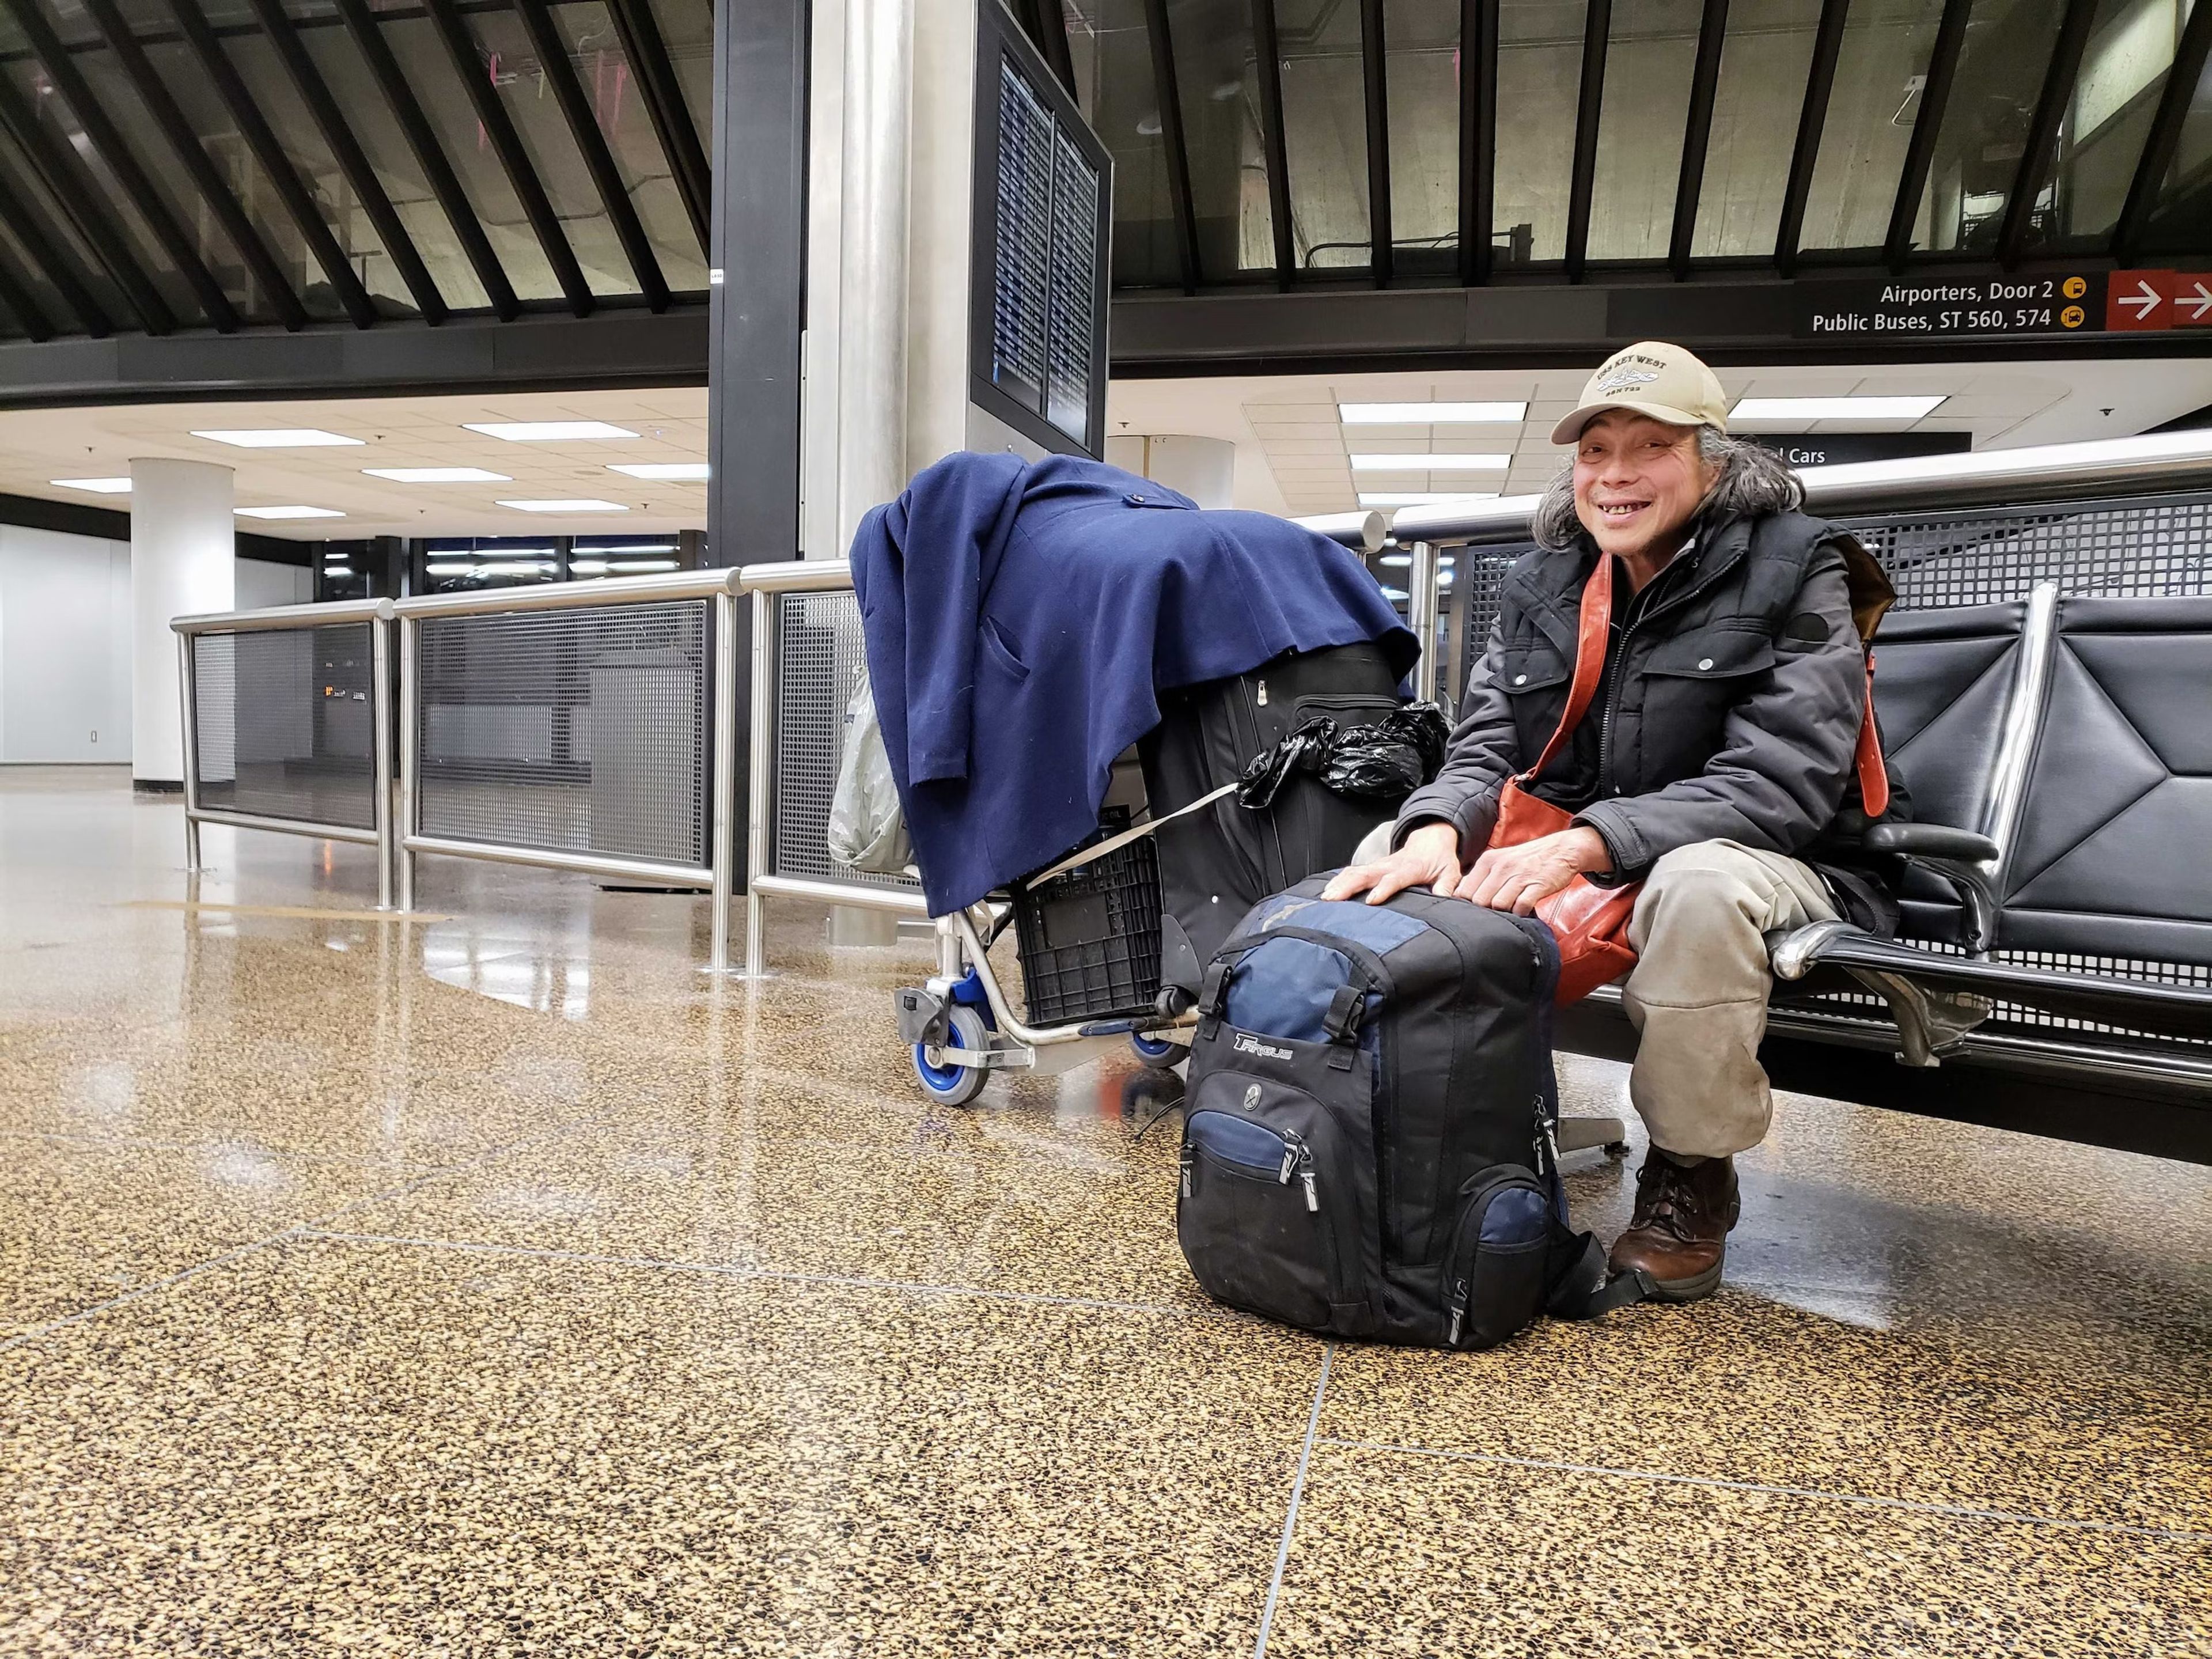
1698,994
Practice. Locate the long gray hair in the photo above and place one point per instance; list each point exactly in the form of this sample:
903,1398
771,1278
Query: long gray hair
1752,481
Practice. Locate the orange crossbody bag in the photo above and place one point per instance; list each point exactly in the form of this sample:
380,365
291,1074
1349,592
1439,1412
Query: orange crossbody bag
1591,922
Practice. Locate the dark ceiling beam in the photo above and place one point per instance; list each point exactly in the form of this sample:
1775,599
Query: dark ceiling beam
22,306
649,65
514,160
1047,28
153,209
2157,159
72,190
1926,129
53,263
1267,51
185,145
1597,32
244,109
1478,146
437,172
1174,153
1375,71
2037,159
1697,135
345,149
553,62
1812,122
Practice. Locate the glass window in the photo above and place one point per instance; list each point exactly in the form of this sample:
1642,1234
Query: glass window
2183,219
1324,130
1539,65
62,243
2108,120
1761,95
1421,37
1876,96
375,128
687,34
1986,123
1651,54
612,92
429,70
1217,75
546,140
180,71
33,281
1113,61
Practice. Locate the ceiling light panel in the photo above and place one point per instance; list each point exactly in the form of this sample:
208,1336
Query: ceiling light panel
1438,463
666,471
1430,414
280,437
1422,497
437,474
1834,408
293,512
586,505
97,486
548,432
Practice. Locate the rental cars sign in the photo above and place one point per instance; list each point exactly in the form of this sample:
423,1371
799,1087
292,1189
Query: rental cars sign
1925,306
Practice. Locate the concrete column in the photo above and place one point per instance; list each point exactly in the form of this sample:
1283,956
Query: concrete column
1204,469
184,549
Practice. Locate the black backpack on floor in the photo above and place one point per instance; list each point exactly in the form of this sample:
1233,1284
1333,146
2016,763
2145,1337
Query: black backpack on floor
1369,1138
1219,861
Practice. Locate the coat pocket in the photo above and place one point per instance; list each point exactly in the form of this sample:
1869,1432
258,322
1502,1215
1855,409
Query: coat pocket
1497,1270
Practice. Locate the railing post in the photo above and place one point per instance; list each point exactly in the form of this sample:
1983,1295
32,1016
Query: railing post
1421,616
410,746
761,742
723,853
189,704
379,698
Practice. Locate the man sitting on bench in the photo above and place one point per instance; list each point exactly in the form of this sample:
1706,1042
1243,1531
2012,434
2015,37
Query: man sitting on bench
1716,759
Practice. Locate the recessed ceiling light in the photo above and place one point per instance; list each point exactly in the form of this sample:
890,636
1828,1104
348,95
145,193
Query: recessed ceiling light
1430,414
97,486
1423,497
1832,409
287,512
1431,463
547,432
584,506
437,474
280,437
672,471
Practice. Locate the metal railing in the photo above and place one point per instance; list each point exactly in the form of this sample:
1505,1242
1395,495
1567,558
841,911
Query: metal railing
288,724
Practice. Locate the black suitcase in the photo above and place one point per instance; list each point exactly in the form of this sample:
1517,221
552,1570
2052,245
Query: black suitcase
1218,862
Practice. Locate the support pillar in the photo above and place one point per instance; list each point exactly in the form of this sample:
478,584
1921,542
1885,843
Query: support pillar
184,552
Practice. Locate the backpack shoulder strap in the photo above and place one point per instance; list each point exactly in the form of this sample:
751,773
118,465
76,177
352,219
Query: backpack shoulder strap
1582,1291
1592,635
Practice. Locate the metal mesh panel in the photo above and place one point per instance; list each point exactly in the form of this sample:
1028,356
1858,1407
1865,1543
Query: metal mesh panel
581,731
820,662
2114,550
284,723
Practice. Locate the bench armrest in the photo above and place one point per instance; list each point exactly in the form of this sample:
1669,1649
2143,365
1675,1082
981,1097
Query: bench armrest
1931,840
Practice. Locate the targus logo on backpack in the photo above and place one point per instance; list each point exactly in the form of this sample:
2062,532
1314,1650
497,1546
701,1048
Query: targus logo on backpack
1246,1043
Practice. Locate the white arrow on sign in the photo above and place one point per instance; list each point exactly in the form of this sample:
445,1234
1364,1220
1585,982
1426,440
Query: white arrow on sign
2145,298
2200,303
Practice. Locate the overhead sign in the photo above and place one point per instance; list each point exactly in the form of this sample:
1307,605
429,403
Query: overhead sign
2159,298
1846,448
1922,306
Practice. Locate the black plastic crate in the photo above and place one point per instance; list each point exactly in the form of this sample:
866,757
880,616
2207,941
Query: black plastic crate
1090,939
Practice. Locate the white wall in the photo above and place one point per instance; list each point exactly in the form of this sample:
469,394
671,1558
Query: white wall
65,642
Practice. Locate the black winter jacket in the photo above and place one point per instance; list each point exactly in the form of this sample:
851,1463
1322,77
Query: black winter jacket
1734,694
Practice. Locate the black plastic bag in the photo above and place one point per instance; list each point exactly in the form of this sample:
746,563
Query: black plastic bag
1383,762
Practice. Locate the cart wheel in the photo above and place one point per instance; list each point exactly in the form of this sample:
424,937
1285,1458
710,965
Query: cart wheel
955,1085
1158,1053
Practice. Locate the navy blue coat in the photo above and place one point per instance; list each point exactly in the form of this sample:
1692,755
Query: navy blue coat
1020,618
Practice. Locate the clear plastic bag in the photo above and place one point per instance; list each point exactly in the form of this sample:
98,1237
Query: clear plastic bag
1383,762
867,827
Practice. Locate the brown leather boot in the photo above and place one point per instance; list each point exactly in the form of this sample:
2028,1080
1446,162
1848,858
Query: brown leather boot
1679,1233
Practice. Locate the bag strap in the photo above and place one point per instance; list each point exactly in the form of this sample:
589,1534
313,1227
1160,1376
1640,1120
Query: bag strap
1113,843
1584,1291
1590,641
1874,770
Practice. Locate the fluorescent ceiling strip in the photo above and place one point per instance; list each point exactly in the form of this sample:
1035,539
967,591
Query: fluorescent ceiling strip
587,505
293,512
437,474
1422,497
280,437
97,486
1430,414
547,432
670,472
1834,409
1439,463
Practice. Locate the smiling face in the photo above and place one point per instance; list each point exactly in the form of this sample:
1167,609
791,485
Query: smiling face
1638,480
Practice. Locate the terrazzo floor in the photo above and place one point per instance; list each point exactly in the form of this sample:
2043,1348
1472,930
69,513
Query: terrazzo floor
495,1283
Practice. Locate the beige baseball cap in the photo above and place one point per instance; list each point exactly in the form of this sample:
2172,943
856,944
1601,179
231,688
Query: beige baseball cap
1652,378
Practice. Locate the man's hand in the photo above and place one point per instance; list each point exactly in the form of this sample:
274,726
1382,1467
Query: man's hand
1518,878
1429,859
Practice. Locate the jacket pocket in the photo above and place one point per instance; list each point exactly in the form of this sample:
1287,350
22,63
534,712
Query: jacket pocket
1713,653
1533,666
1497,1270
1000,649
